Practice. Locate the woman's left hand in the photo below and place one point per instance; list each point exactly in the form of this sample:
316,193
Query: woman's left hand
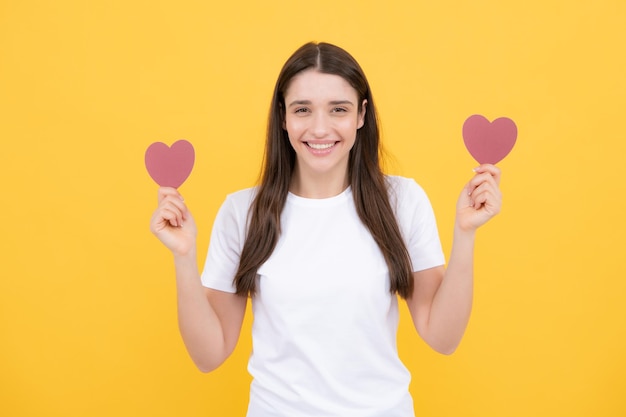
481,198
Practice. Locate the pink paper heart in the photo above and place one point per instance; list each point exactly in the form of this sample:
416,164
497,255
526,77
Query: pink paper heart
170,166
489,142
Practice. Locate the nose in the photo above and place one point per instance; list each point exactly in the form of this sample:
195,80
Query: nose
320,125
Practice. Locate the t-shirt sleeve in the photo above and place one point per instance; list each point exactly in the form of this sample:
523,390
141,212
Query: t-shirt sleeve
227,238
418,224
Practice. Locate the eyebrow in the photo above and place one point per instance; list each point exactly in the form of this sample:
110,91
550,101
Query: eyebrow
307,102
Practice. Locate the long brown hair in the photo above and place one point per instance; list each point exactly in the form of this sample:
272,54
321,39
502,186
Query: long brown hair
367,180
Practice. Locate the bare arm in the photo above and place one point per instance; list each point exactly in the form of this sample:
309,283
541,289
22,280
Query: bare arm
442,298
209,320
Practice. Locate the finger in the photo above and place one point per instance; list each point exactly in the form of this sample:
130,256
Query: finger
165,192
179,208
172,213
487,197
168,218
161,221
484,186
174,201
492,170
480,199
480,179
174,217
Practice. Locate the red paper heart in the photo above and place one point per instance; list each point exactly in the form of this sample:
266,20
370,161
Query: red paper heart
170,166
489,142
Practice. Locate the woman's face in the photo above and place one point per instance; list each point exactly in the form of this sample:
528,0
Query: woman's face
322,115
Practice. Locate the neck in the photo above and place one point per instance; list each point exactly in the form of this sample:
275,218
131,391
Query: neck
318,185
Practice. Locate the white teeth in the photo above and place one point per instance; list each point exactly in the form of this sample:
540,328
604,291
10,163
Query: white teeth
320,145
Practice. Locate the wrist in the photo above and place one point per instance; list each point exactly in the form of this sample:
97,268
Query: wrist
464,233
185,257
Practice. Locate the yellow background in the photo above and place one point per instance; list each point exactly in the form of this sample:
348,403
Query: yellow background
87,302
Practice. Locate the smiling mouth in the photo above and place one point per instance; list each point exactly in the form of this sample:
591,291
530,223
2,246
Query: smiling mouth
320,146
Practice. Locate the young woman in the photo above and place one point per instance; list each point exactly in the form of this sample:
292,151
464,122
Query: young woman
324,246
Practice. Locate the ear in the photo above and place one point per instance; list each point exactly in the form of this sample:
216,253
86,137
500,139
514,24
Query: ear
361,115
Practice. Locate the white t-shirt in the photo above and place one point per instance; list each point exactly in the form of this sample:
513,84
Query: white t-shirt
324,329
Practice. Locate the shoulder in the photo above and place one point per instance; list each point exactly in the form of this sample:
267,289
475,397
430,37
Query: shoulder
402,190
408,200
236,206
242,198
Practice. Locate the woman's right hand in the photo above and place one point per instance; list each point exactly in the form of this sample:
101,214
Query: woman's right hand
173,224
